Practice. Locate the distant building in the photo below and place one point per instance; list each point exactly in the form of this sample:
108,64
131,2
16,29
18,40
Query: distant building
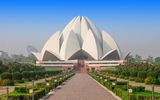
80,41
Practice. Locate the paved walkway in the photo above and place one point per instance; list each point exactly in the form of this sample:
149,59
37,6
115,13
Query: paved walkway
82,87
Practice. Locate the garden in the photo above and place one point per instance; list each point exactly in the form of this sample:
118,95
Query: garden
15,73
140,72
37,90
123,89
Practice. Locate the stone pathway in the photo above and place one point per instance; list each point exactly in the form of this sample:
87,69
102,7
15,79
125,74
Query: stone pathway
81,87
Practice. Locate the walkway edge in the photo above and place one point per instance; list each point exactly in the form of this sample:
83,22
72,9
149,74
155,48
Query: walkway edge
117,97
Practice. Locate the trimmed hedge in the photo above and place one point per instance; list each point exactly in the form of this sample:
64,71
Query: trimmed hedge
121,89
23,89
7,82
10,78
38,93
40,89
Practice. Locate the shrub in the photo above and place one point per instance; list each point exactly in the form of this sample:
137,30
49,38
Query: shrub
26,75
122,83
8,82
139,80
153,74
150,80
23,89
133,74
142,74
138,88
132,78
143,97
111,80
39,93
125,73
17,76
20,97
20,81
6,75
121,93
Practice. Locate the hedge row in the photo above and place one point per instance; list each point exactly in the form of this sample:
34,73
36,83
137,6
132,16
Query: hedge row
8,79
140,72
40,89
120,89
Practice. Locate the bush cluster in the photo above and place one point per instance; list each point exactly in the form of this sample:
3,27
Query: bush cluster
10,78
139,72
40,89
120,89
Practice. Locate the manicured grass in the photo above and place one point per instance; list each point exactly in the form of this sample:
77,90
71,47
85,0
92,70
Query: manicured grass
147,93
16,93
53,69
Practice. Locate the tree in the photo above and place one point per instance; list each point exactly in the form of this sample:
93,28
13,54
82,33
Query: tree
26,74
1,63
130,59
150,59
157,59
6,75
17,76
142,74
138,58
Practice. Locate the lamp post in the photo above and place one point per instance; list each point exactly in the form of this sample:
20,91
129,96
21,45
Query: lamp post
47,84
129,91
45,77
55,83
152,91
116,73
7,90
105,81
113,83
128,88
32,90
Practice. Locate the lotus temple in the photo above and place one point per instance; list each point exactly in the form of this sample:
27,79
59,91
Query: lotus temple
80,44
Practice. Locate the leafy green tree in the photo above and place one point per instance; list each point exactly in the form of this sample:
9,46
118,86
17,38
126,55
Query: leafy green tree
17,76
133,73
6,75
1,63
26,74
150,59
130,59
153,74
138,58
142,74
157,59
150,80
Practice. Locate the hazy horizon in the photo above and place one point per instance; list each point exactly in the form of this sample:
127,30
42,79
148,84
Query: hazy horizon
133,24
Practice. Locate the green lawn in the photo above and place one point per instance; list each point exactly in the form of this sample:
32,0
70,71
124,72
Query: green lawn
16,93
53,69
147,93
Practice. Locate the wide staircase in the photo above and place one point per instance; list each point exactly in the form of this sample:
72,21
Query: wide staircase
81,67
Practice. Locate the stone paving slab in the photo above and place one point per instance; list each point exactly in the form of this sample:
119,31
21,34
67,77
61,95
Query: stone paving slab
82,87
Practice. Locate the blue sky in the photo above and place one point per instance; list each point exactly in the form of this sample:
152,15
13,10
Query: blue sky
134,24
